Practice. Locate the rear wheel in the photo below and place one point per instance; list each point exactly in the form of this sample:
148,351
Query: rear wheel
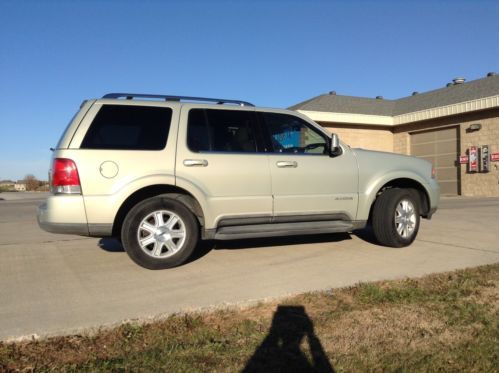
396,217
159,233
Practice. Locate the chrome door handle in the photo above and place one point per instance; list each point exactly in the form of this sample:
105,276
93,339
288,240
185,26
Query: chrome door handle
283,164
195,162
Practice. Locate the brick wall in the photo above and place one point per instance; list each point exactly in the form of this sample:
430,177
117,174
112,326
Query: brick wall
480,184
401,143
472,184
361,136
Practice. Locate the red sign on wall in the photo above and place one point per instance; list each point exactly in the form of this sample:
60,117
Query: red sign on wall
494,157
463,159
473,161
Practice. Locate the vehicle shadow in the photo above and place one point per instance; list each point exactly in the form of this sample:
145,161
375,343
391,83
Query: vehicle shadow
366,234
205,247
250,243
280,351
113,245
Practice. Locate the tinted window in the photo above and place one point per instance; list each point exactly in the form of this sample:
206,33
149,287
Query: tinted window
290,134
221,131
129,127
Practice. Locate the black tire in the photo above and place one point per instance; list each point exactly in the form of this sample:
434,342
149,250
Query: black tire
385,229
158,254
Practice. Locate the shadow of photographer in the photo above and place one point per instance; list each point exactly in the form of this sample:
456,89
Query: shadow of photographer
280,350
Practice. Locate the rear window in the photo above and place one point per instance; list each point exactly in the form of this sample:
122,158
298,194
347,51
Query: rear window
125,127
221,131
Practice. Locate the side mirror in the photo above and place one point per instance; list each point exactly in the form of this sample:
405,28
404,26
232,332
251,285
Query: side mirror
334,146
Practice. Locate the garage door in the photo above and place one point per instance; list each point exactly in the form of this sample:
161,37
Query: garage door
440,147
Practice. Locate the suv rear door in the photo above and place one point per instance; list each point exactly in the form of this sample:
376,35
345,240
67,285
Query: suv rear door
220,154
117,144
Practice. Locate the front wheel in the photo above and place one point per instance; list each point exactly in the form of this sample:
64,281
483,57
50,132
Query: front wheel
395,218
159,233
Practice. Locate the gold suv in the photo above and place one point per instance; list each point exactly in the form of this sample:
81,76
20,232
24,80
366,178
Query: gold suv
162,172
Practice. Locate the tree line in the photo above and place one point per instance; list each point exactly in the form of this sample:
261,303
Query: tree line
30,181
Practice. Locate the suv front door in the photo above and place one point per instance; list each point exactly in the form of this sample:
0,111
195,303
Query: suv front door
306,181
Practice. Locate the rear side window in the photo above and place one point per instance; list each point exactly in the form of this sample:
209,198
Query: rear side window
222,131
125,127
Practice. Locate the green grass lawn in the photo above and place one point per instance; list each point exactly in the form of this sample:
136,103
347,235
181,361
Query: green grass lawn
444,322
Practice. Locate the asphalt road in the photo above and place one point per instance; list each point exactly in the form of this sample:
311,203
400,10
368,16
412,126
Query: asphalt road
58,284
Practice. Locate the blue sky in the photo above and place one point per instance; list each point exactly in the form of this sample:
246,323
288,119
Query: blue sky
54,54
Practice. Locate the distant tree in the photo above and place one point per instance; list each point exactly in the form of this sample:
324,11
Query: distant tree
31,182
44,187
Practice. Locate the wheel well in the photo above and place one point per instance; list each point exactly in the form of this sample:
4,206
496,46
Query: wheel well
152,191
403,183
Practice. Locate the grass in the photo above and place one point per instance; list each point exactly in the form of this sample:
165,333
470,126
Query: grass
444,322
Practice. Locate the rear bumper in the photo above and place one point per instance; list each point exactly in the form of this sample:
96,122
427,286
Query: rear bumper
63,214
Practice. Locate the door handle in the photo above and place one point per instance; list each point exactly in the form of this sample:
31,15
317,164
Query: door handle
195,162
285,164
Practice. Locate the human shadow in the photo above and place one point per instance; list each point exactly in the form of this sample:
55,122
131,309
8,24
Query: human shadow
280,350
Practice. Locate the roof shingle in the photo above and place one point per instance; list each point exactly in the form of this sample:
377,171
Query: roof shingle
454,94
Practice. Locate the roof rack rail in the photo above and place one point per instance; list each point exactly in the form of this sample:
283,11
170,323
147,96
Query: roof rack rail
131,96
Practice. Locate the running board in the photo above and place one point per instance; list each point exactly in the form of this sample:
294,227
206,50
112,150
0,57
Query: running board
282,229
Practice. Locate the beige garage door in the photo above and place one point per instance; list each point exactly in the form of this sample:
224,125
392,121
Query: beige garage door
440,147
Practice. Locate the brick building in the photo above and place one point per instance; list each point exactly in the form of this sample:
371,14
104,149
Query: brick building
439,125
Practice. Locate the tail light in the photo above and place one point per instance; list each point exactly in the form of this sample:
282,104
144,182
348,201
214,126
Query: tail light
65,179
433,173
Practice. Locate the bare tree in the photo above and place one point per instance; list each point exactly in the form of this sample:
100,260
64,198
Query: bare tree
31,182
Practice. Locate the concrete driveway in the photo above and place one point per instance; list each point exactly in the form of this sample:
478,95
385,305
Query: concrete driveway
55,284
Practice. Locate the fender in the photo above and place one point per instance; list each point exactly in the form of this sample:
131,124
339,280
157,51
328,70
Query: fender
102,208
377,182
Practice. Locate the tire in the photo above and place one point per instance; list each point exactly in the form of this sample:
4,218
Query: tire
395,217
159,233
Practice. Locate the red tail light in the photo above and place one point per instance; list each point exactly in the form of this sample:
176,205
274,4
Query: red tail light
65,177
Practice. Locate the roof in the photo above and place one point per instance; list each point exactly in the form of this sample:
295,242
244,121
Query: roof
457,93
